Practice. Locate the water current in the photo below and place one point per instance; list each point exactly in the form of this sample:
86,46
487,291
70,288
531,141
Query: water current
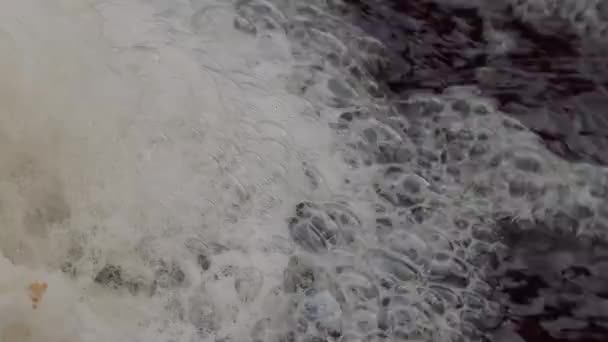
311,171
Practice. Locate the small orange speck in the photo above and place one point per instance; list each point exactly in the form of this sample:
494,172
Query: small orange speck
37,290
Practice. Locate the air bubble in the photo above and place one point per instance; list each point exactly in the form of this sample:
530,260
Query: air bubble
315,229
401,188
390,154
356,287
422,108
342,216
408,244
435,302
520,187
459,134
426,158
478,150
339,89
312,235
399,268
448,269
528,163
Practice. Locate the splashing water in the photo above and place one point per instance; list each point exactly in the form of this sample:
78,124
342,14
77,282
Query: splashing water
218,171
148,155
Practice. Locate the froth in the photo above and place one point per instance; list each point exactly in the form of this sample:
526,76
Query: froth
151,153
147,157
400,249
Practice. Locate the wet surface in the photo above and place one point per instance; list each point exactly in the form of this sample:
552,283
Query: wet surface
552,288
553,82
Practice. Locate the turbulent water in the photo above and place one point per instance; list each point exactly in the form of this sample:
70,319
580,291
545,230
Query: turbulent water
199,170
542,62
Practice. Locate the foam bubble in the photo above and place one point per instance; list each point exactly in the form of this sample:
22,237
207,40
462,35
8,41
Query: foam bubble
213,171
429,178
149,155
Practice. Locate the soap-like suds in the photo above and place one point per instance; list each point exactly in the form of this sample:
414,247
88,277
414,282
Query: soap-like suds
217,171
149,155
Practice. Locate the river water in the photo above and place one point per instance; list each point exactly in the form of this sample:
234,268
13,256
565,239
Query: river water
281,170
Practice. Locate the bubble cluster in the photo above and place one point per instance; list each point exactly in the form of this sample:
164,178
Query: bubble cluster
149,160
235,172
430,180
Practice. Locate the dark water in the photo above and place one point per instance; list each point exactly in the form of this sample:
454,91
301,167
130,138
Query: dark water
554,80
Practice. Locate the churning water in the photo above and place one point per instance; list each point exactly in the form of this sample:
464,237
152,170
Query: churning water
199,170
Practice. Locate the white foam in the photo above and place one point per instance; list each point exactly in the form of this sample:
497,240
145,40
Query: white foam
144,136
150,153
